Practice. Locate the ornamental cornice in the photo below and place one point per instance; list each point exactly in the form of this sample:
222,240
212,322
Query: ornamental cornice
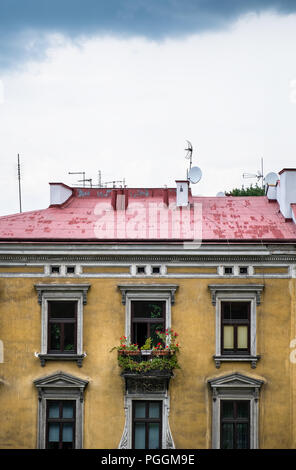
148,258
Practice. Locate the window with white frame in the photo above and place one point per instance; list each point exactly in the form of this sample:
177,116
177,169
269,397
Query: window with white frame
148,308
60,411
235,411
62,308
236,322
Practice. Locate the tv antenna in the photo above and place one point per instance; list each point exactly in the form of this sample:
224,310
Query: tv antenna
189,151
114,182
259,174
19,181
194,173
78,173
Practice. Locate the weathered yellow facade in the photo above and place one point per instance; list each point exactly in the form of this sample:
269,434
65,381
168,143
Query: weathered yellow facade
193,317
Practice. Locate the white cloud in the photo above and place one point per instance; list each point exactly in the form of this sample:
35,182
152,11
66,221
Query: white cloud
127,106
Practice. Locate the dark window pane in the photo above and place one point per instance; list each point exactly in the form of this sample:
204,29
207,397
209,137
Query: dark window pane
68,410
242,409
154,410
227,409
53,432
235,310
140,409
55,336
154,436
147,309
67,432
54,409
242,441
227,436
62,309
140,333
140,435
69,334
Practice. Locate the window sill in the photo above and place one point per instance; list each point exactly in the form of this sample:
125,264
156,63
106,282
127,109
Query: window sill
236,358
61,357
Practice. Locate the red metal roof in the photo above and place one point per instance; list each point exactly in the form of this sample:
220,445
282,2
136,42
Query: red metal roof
151,214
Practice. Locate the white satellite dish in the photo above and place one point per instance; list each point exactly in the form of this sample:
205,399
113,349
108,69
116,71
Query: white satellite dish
194,174
271,178
220,194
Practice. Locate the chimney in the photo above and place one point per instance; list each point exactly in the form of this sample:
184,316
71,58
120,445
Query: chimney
287,191
182,193
59,193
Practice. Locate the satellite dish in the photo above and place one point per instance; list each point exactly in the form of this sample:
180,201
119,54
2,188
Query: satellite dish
220,194
271,178
194,174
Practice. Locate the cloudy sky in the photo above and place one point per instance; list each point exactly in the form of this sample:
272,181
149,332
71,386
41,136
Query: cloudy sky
120,85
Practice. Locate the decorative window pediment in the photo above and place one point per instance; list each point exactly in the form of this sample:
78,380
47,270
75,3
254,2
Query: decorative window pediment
60,380
235,380
237,290
141,290
63,388
232,390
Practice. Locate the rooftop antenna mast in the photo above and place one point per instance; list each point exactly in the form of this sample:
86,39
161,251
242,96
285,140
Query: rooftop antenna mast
259,174
19,181
79,173
194,173
114,182
188,155
89,180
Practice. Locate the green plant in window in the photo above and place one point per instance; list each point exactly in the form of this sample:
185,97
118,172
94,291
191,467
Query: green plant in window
155,310
152,362
148,344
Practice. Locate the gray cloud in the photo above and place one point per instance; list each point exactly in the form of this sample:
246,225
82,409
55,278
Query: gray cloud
24,25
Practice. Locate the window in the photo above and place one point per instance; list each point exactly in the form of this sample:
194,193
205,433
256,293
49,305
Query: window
235,334
70,269
235,424
62,327
60,429
141,270
236,324
60,411
147,318
155,269
62,308
243,270
147,428
228,270
55,269
235,411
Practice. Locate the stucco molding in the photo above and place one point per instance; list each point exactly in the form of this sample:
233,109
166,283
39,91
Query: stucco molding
134,289
62,288
236,289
